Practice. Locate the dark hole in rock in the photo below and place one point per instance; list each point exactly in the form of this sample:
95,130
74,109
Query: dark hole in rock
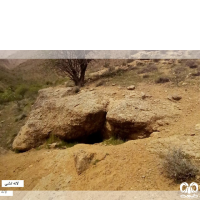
130,131
91,139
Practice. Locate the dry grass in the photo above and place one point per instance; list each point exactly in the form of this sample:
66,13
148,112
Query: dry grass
192,64
178,166
150,68
162,80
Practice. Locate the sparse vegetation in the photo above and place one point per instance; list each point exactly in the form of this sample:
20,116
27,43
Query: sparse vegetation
96,161
76,89
180,73
179,70
99,83
113,141
146,76
130,60
21,117
59,143
192,64
178,166
162,80
22,90
196,74
148,69
124,64
106,64
52,139
64,144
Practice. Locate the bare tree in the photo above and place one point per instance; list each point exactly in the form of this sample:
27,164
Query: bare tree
74,68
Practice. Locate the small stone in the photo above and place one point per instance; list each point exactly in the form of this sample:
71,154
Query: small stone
131,87
143,95
53,145
113,84
197,127
170,98
154,134
160,123
176,97
141,136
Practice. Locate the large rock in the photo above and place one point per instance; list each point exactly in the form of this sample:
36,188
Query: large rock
71,117
133,118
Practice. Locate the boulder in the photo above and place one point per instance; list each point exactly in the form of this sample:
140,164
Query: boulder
73,117
133,118
82,160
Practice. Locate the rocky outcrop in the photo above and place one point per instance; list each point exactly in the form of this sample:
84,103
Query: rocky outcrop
71,117
136,118
90,115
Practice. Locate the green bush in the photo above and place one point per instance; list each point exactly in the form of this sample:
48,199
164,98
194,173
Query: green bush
22,90
1,89
113,141
8,95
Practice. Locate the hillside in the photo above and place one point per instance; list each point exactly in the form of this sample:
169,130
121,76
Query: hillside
113,134
18,90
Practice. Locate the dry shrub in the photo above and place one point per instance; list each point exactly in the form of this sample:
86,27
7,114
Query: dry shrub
146,76
196,74
179,70
192,64
162,80
178,166
100,83
148,69
130,60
